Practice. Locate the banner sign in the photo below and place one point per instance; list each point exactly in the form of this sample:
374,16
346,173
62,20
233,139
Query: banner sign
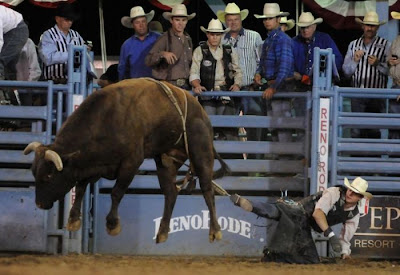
378,234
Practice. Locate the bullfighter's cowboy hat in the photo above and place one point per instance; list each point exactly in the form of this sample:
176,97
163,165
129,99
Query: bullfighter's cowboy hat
271,10
137,11
307,19
370,18
232,8
214,26
289,22
359,186
178,11
67,11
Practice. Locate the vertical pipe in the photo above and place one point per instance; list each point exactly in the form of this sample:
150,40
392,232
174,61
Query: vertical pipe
334,138
102,37
95,215
86,220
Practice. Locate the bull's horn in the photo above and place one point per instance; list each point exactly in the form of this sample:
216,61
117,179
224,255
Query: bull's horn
52,156
31,147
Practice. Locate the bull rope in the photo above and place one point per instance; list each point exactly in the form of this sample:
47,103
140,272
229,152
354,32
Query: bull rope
171,96
189,176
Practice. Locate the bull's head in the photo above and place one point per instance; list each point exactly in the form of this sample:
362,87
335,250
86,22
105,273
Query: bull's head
52,183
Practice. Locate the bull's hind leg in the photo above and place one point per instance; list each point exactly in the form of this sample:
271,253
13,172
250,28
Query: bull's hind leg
166,177
74,220
202,157
127,171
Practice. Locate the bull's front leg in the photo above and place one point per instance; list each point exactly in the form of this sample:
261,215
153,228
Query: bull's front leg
166,173
125,176
74,220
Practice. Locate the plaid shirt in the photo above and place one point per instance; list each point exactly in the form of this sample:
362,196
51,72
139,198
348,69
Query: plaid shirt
276,58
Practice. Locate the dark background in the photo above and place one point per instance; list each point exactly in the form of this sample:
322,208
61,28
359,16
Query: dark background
40,19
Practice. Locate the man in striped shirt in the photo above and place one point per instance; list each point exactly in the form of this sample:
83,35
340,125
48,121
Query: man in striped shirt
53,46
365,63
247,44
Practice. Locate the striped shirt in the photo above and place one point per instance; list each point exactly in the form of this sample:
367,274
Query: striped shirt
248,46
277,62
53,50
362,74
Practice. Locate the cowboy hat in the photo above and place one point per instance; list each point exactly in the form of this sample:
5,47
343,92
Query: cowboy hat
137,11
214,26
67,11
290,23
370,18
307,19
232,8
395,15
271,10
178,11
359,186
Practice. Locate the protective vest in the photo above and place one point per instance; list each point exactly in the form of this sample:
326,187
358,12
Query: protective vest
60,70
209,64
335,216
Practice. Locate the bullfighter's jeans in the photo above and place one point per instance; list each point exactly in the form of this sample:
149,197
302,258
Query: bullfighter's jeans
266,210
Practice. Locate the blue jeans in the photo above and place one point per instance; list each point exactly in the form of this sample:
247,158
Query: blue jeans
14,41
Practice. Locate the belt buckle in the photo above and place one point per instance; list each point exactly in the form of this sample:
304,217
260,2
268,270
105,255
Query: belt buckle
180,82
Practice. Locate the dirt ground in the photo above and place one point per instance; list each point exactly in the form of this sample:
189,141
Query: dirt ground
119,265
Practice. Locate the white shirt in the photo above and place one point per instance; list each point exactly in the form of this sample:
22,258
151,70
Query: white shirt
28,68
9,19
329,197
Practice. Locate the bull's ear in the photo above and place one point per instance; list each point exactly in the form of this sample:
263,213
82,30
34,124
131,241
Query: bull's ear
71,156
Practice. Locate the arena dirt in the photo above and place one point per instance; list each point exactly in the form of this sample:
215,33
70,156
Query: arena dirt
23,264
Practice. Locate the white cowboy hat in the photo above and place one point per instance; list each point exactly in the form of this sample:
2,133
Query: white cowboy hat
307,19
178,11
370,18
359,186
137,11
232,8
290,23
214,26
395,15
271,10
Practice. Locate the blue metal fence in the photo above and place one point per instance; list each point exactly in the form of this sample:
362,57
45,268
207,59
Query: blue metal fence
377,160
23,227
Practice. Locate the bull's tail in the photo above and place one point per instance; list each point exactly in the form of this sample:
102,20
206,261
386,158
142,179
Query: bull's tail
224,170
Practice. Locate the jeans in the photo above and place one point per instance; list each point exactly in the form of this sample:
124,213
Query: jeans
14,41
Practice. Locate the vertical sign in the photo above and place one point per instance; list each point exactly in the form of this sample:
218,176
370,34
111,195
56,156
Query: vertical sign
76,101
323,145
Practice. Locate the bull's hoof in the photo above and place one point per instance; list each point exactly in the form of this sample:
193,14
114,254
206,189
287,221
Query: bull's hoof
161,238
74,225
216,236
115,230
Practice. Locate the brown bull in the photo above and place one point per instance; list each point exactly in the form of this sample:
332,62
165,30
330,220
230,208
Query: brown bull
110,135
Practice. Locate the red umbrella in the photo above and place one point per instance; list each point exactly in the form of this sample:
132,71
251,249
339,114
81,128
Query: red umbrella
42,3
167,4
